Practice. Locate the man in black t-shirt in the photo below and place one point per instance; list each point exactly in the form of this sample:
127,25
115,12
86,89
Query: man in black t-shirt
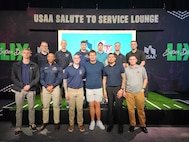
63,56
41,58
139,54
63,59
120,58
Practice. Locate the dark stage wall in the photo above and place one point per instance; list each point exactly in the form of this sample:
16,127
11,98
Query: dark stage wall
165,41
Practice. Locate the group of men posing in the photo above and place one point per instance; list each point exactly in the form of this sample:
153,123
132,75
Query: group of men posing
110,76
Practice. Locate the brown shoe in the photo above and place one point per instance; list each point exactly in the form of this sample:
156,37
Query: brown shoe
81,128
70,129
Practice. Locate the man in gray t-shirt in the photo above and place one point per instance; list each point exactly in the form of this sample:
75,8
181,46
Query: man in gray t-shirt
135,78
141,59
136,81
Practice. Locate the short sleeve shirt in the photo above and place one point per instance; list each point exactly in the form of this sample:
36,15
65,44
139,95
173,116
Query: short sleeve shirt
94,73
84,56
113,74
101,57
74,76
63,58
120,58
139,55
135,78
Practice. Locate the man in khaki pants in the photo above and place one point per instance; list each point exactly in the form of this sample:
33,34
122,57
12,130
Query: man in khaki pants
64,59
136,81
51,77
25,76
73,86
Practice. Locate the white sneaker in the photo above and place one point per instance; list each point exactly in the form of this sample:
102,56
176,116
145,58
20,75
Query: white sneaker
92,125
100,125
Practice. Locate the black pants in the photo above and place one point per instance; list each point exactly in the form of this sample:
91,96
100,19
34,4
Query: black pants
146,91
112,97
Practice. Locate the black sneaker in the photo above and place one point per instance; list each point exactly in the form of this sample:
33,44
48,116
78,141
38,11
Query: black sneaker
131,129
109,129
85,105
144,129
120,129
57,126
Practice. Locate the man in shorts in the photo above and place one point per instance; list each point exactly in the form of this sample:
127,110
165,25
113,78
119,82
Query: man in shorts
94,73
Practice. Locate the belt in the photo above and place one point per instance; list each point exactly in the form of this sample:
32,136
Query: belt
75,88
114,86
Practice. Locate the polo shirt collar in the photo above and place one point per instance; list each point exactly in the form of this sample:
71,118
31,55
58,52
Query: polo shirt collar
134,67
135,51
44,54
113,65
63,51
74,67
83,52
118,54
100,53
51,64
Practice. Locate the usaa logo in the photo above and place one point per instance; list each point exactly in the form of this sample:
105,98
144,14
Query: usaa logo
150,52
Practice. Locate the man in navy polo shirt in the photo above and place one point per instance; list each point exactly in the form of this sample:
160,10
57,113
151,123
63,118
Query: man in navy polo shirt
94,72
114,81
84,57
83,53
73,86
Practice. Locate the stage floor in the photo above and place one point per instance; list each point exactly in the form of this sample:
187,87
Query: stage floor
154,101
160,110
